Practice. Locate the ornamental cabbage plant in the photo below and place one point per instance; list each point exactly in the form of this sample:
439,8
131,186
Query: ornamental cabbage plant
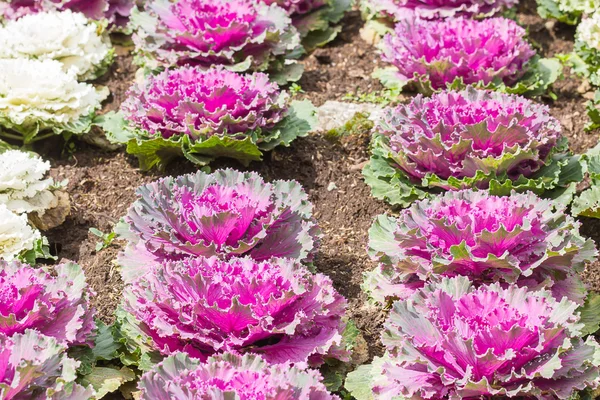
451,53
314,19
24,187
116,12
17,237
240,34
203,115
453,340
518,238
231,375
38,99
67,37
467,139
202,306
397,10
54,302
36,367
225,214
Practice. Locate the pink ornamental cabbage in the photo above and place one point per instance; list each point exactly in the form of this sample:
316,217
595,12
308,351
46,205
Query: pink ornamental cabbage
468,139
518,239
452,340
434,9
225,214
36,367
230,375
209,114
115,11
457,51
200,104
247,34
55,303
203,306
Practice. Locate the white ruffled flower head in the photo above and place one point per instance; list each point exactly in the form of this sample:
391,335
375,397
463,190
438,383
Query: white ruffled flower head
38,95
16,235
23,188
588,31
68,37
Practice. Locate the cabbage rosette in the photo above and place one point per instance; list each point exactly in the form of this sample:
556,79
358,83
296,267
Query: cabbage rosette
314,19
18,240
67,37
225,214
36,367
518,238
452,340
452,53
467,139
243,377
238,34
204,306
54,302
24,187
34,106
203,115
116,12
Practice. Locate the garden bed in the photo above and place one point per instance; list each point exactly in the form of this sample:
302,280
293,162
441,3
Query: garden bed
102,184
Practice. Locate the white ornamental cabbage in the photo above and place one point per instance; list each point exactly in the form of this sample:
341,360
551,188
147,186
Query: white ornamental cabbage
38,96
79,44
16,235
588,32
23,188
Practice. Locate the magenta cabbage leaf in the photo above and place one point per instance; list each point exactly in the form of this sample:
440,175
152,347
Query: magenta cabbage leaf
36,367
231,375
225,214
452,53
467,139
203,115
518,238
452,340
54,302
203,306
239,34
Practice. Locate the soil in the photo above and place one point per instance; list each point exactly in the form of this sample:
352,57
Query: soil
102,184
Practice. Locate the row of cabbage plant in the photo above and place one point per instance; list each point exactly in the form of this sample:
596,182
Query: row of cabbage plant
476,271
220,296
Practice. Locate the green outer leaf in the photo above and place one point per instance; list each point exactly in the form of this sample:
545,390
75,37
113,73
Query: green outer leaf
40,251
590,314
588,203
107,380
393,186
360,382
300,120
157,151
202,153
389,78
542,73
549,9
115,127
106,346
